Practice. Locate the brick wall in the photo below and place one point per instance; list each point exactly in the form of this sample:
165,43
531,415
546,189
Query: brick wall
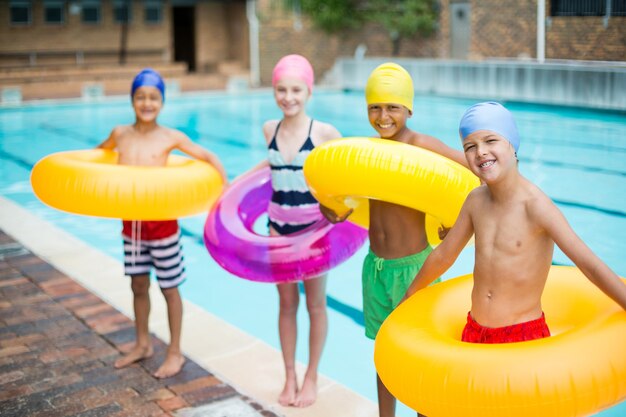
211,35
503,28
499,28
443,31
586,38
238,33
74,35
508,28
222,34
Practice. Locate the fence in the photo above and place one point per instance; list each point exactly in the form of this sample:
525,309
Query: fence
570,83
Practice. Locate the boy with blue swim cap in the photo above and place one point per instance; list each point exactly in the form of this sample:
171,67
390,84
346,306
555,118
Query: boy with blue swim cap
148,78
155,244
397,234
515,227
490,116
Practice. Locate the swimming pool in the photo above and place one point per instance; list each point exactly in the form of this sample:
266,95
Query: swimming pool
576,156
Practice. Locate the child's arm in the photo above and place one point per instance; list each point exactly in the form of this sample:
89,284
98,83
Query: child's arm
448,250
110,142
263,164
433,144
330,133
556,225
192,149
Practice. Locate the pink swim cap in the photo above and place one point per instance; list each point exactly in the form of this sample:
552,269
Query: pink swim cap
295,66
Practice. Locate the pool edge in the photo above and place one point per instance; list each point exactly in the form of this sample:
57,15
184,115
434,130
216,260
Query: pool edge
218,346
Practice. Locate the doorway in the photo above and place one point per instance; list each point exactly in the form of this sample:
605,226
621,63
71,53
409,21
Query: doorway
459,30
184,36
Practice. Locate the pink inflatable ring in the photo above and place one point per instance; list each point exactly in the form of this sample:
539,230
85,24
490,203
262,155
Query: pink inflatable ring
232,242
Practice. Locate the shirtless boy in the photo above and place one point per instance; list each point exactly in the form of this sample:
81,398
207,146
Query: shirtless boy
155,244
397,234
515,226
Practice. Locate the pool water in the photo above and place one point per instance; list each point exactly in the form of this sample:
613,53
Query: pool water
576,156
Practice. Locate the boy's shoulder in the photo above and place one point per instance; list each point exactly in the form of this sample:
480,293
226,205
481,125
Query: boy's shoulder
420,139
477,195
536,200
172,132
121,131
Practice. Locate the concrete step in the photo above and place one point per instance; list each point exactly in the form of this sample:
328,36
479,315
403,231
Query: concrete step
85,73
232,68
96,88
201,82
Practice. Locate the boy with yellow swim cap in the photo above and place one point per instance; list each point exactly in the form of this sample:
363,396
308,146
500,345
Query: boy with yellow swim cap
397,234
153,244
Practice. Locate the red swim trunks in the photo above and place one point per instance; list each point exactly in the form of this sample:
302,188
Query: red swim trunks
530,330
149,230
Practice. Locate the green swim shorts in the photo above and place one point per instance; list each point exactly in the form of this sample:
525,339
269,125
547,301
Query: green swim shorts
385,282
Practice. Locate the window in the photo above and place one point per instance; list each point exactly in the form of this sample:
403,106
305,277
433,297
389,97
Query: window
122,11
90,11
20,12
588,7
618,8
54,12
153,11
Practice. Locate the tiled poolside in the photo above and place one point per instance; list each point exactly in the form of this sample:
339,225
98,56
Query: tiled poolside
64,319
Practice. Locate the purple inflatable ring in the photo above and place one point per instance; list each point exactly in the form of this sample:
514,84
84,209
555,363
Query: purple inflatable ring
232,242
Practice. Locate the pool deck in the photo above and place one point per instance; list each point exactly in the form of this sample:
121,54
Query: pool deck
65,318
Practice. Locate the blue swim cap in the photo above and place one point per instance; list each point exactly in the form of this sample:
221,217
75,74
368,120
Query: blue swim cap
148,78
490,116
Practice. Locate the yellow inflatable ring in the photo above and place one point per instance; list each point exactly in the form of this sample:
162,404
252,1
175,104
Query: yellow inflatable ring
579,370
90,182
343,173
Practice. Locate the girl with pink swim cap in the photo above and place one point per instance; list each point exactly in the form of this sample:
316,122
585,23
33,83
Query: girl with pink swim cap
293,208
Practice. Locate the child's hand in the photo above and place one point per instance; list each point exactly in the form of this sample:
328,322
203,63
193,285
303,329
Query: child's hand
333,217
339,219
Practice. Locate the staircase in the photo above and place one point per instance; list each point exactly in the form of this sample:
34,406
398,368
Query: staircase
97,80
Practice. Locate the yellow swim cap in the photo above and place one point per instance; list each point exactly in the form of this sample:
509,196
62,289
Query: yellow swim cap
390,83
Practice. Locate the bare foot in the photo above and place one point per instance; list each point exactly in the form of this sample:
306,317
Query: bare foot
308,393
136,354
288,396
172,365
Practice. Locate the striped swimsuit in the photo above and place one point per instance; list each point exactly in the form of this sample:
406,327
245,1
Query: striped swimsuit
292,207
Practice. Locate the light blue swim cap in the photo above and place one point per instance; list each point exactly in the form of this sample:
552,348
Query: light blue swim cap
148,78
490,116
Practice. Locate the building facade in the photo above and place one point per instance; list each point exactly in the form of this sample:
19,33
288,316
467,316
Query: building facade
233,35
202,34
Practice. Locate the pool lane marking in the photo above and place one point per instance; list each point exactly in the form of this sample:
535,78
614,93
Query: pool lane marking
62,131
241,144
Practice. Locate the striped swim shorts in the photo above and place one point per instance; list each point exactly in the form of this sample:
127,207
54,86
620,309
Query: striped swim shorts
164,255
